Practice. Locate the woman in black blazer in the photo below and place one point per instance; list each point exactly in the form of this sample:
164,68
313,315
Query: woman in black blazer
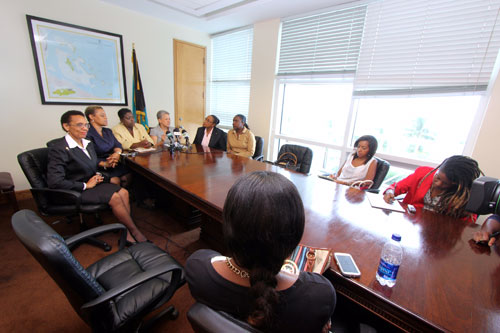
218,137
73,166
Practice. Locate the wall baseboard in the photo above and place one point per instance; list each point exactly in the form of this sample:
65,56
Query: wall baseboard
20,195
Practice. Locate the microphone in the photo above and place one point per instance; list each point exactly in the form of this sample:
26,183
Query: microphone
177,134
170,136
186,136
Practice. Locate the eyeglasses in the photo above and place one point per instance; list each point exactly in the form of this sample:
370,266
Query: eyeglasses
81,125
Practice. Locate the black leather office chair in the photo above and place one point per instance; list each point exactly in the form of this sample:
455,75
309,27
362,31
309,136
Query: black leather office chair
204,319
304,156
259,147
382,169
116,292
55,201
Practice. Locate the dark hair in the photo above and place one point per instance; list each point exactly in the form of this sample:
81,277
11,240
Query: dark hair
216,120
122,112
243,120
461,171
372,145
91,109
263,223
66,116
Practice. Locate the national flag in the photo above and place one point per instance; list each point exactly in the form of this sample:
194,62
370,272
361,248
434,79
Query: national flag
138,104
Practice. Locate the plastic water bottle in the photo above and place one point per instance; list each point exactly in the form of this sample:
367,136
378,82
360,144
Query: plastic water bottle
390,259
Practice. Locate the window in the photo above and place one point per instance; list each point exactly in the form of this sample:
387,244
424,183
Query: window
231,64
421,72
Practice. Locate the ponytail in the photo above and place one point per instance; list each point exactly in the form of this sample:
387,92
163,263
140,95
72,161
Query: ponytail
263,298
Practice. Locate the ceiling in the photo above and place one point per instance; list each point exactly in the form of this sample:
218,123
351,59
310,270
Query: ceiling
212,16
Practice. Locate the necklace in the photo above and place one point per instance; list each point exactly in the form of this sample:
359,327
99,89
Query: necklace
241,273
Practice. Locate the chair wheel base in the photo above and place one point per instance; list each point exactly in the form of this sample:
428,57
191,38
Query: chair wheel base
174,314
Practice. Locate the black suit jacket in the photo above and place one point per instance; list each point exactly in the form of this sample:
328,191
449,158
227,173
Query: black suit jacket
218,140
69,168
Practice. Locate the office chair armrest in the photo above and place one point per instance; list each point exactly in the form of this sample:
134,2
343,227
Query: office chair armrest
96,232
259,158
60,195
137,280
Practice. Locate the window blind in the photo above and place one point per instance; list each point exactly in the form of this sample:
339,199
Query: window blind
428,46
231,67
322,44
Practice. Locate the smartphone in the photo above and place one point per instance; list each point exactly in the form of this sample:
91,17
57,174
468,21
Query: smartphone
347,265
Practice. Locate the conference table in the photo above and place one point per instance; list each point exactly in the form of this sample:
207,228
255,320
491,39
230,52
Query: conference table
445,283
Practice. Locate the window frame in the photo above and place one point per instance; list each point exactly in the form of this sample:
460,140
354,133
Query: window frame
345,148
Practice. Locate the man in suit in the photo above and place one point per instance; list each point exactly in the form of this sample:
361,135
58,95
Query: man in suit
211,136
73,165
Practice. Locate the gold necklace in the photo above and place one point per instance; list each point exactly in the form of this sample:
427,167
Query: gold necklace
243,274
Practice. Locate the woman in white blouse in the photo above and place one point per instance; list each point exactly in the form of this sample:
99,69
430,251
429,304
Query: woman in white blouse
360,165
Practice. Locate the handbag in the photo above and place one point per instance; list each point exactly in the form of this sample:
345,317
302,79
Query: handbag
289,161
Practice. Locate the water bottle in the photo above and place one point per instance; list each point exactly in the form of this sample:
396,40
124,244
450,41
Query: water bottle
390,259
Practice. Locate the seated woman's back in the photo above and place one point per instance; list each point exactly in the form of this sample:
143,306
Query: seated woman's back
263,223
304,307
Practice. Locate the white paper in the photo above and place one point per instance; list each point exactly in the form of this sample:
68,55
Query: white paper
377,201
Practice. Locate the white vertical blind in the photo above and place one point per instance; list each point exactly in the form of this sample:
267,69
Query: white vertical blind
322,43
428,46
230,74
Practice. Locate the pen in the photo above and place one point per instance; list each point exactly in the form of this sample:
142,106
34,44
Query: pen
495,234
485,242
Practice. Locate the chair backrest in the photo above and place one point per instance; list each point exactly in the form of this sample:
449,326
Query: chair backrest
34,165
51,251
259,148
304,156
382,169
204,319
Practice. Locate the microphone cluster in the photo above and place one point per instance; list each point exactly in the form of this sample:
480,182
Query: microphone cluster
175,138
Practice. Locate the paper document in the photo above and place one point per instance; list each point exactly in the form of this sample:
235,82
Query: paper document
377,201
143,150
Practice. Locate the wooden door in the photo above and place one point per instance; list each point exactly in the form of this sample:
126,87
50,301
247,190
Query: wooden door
189,76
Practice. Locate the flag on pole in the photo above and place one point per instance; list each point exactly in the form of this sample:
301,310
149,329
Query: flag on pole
138,104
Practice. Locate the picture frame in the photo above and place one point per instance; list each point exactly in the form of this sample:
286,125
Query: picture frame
77,65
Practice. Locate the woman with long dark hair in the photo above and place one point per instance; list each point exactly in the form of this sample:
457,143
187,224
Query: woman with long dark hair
444,189
263,223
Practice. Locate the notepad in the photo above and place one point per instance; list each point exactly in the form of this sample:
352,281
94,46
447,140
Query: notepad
325,176
377,201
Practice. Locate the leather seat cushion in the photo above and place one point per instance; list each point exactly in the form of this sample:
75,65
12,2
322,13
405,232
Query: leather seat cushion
127,263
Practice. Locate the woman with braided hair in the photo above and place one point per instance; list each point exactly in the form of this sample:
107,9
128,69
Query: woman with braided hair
263,223
444,189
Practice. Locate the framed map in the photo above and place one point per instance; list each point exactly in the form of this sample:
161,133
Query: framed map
77,65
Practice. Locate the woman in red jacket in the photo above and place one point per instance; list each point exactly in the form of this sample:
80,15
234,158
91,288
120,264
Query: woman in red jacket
444,189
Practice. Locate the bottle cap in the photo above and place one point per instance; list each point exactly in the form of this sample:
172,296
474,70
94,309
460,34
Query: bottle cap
396,237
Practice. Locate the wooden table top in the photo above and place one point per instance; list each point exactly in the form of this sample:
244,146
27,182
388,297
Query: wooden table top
445,282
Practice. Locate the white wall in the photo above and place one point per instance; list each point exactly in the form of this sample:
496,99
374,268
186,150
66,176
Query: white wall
265,51
26,123
486,150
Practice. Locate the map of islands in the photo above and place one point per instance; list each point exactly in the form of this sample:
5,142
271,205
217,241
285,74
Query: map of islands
78,66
